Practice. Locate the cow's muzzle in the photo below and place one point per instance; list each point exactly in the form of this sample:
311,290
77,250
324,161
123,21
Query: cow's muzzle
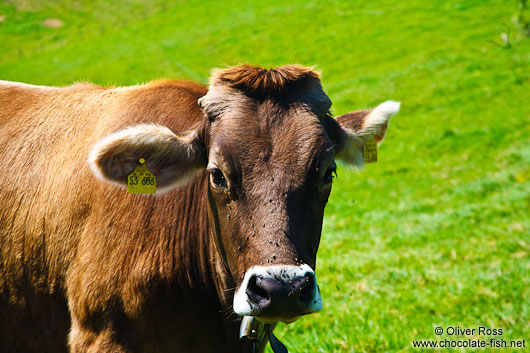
278,293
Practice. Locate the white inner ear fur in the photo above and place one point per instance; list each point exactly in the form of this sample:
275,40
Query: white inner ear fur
352,152
377,120
132,136
380,116
137,136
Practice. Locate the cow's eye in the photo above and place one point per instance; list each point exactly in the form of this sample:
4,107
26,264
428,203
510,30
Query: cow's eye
217,177
331,172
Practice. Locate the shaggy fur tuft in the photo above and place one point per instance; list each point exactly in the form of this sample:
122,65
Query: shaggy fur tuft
259,81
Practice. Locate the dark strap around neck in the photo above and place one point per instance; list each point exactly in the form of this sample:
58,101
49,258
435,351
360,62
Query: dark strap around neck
276,345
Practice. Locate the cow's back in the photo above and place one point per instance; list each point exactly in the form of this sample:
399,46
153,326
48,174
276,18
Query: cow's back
49,198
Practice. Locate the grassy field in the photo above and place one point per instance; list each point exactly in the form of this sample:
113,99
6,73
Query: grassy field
435,234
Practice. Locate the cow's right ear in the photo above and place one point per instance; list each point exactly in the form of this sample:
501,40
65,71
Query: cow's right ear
350,132
173,159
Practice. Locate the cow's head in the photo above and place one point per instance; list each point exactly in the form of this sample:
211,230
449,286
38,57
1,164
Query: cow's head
269,145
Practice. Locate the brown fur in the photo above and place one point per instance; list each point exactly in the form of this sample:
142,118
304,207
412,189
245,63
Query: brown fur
260,81
355,122
71,243
85,263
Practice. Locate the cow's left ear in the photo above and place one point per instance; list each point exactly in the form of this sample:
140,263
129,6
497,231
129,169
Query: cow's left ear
173,159
349,132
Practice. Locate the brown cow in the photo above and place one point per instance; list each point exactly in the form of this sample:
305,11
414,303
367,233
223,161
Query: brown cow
243,175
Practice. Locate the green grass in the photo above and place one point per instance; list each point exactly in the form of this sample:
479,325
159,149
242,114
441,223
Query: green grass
435,234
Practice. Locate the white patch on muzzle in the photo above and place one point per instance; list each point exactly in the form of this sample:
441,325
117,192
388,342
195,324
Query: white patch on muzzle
242,304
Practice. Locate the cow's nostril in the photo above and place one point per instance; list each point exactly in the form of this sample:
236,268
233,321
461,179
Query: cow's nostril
255,293
308,289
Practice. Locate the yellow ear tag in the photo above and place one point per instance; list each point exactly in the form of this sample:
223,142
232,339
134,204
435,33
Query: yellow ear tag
370,150
141,181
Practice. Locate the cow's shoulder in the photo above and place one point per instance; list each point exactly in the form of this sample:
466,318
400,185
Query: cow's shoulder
183,85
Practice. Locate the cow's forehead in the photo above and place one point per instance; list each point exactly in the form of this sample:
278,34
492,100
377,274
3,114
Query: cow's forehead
264,121
228,105
268,136
245,87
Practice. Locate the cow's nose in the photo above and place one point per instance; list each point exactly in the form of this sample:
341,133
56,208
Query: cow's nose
280,296
278,291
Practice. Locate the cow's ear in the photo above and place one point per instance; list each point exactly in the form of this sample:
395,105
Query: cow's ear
173,159
349,132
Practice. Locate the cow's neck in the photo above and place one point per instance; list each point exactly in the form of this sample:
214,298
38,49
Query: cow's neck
204,265
223,279
204,271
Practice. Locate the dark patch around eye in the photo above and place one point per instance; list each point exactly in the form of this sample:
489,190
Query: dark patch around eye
331,172
218,178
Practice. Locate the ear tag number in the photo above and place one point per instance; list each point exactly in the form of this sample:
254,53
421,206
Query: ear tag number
141,181
370,150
